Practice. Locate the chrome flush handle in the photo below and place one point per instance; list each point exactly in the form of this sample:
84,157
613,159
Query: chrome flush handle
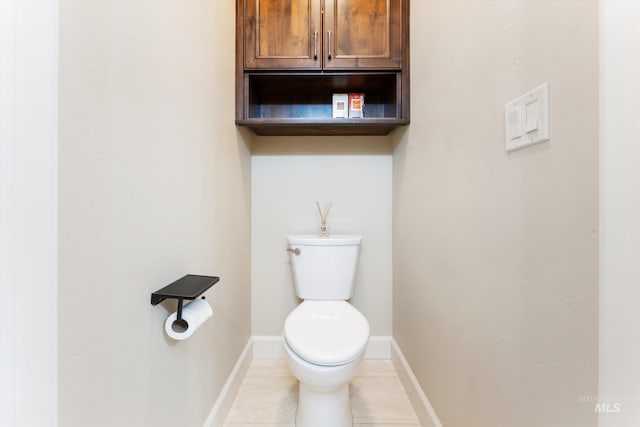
295,251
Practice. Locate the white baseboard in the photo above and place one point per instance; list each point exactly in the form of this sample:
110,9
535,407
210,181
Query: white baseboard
379,347
222,406
270,347
421,404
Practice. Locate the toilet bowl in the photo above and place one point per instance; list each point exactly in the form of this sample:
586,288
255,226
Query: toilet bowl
325,342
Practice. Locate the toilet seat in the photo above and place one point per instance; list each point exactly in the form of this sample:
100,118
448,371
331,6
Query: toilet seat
326,333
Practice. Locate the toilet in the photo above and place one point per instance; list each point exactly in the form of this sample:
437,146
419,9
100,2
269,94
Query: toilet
324,336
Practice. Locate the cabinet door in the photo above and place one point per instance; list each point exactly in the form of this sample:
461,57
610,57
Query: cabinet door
363,34
283,34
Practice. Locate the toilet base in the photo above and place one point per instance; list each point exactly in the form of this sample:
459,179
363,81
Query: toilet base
322,409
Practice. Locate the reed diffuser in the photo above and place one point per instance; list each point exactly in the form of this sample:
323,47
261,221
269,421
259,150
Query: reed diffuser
323,217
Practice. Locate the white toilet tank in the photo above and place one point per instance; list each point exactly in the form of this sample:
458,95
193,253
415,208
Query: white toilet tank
324,268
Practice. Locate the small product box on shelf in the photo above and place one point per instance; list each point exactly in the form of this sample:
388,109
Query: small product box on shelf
340,105
356,105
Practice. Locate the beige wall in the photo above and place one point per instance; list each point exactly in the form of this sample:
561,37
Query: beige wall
154,184
285,188
495,253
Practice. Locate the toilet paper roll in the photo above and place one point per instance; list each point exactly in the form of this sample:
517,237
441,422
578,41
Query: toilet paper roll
194,315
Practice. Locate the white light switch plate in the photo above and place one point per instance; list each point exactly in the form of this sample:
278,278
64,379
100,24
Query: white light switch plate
532,112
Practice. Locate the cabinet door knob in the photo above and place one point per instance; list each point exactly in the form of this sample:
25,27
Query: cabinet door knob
315,45
329,52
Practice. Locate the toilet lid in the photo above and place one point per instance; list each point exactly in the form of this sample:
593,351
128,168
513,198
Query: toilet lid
326,332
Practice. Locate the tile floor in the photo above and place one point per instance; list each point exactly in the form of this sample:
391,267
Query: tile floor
269,393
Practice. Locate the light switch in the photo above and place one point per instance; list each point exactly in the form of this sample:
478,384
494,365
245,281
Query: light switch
527,119
515,123
532,117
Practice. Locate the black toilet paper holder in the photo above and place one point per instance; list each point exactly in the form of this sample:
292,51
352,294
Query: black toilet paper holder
189,287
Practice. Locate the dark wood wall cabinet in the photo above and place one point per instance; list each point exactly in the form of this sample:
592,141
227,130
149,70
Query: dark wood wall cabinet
293,55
